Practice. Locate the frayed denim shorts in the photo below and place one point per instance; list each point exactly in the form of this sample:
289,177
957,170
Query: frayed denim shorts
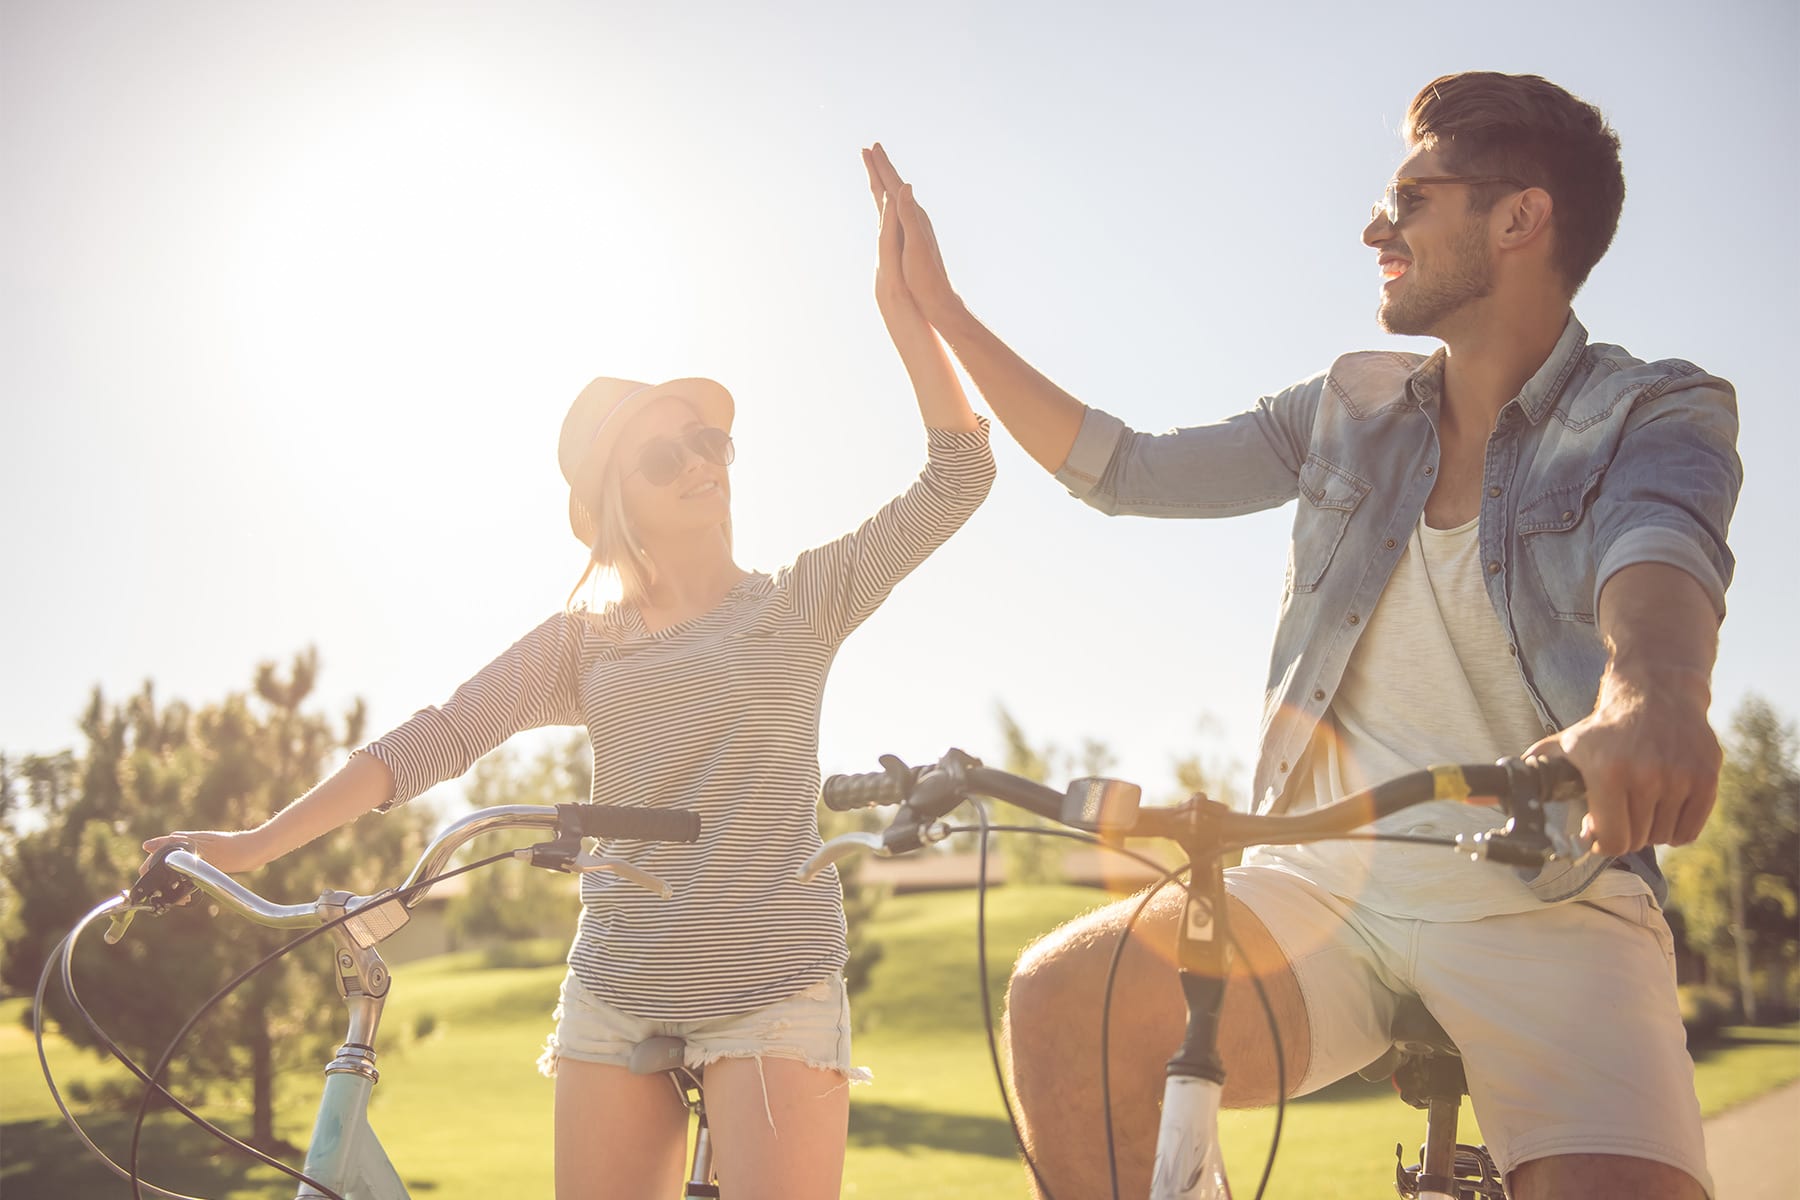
812,1026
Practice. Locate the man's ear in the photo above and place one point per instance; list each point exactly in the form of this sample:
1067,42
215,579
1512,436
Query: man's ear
1523,218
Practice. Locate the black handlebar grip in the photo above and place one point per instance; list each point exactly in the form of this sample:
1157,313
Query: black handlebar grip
642,824
1558,775
842,793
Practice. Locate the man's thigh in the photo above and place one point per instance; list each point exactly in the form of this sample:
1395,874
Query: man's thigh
1346,996
1570,1033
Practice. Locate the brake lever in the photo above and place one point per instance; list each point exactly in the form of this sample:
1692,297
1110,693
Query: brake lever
588,863
556,856
121,920
838,849
1546,808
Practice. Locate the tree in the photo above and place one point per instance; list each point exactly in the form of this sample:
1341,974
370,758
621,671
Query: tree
1034,858
1738,886
73,829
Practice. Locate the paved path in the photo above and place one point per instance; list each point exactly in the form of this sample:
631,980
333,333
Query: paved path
1754,1149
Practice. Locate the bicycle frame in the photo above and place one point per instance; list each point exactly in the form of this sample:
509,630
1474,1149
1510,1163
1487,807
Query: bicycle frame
345,1155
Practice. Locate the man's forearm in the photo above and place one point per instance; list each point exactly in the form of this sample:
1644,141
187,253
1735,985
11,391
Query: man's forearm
1660,631
1041,417
1647,753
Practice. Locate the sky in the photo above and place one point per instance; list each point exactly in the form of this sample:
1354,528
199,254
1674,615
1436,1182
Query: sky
294,298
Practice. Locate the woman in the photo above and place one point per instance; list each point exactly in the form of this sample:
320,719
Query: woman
700,689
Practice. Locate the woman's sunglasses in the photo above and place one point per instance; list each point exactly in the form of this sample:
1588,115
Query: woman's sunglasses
661,460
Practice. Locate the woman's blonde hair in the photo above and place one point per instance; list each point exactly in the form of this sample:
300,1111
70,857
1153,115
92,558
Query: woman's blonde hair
616,550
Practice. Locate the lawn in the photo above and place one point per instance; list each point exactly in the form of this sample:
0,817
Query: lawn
465,1115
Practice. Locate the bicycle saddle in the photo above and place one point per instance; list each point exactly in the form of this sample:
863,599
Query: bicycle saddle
654,1055
1415,1034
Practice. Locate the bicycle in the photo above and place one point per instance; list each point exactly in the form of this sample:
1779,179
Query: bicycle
1541,798
344,1159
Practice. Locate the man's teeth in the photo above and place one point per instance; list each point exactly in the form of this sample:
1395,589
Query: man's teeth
1393,270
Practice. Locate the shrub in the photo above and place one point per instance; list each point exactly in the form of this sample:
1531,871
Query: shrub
1705,1010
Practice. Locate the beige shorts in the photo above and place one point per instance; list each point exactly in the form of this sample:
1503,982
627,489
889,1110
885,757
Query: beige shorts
1566,1015
812,1026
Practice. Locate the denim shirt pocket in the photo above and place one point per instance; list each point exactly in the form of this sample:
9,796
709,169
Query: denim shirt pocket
1328,496
1558,541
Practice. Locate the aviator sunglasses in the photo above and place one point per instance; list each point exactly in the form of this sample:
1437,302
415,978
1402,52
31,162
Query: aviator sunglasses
662,459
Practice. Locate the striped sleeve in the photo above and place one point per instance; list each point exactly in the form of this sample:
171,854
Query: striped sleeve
839,584
532,683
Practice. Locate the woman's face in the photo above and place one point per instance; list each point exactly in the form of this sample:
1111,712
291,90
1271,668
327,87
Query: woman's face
670,485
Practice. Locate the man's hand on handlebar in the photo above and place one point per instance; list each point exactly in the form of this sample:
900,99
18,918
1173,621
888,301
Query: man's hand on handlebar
1651,763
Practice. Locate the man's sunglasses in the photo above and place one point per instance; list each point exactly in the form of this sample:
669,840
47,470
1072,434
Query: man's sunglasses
1395,204
661,460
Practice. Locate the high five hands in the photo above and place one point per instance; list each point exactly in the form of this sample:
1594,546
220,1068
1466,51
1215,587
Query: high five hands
910,277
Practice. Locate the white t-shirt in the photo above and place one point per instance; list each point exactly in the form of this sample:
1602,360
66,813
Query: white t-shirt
1431,681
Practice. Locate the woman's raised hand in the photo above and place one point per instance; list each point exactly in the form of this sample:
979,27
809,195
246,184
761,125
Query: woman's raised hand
910,277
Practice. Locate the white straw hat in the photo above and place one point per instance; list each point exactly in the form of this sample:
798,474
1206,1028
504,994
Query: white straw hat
592,427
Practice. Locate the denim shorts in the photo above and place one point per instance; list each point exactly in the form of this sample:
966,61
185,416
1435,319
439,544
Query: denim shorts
812,1026
1565,1015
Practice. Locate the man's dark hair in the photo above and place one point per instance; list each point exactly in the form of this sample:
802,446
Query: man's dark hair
1525,127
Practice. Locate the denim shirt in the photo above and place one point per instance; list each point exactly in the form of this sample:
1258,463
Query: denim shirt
1600,462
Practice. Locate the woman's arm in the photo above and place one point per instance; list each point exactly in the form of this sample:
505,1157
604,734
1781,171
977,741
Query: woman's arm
531,684
359,785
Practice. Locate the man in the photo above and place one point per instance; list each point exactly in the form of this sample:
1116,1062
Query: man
1516,544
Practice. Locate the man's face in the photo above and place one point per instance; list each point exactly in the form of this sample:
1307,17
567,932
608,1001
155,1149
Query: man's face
1435,260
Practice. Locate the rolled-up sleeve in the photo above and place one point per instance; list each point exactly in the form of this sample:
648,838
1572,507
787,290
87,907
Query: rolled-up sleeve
840,584
1242,464
532,683
1670,492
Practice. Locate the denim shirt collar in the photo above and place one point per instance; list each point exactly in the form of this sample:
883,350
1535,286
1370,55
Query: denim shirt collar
1541,392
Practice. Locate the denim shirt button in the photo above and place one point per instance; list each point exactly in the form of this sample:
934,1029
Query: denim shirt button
1354,618
1318,693
1284,765
1390,543
1493,568
1494,491
1431,470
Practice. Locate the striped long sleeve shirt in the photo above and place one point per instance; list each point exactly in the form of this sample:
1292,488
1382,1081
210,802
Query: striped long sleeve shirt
719,715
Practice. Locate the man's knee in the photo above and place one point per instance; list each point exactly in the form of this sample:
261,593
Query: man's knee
1602,1177
1058,992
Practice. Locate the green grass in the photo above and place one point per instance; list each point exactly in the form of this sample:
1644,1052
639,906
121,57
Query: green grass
465,1114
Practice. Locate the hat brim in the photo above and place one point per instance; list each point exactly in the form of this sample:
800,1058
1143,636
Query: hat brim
708,397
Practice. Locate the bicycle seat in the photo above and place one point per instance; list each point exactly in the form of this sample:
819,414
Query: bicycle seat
1415,1034
655,1055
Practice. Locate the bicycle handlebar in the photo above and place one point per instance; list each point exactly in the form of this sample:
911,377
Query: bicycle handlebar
174,873
1543,799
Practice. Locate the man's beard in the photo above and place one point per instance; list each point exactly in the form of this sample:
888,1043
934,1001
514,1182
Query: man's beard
1468,276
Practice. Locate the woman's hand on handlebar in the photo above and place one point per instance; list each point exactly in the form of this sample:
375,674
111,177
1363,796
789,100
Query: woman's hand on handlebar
230,852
